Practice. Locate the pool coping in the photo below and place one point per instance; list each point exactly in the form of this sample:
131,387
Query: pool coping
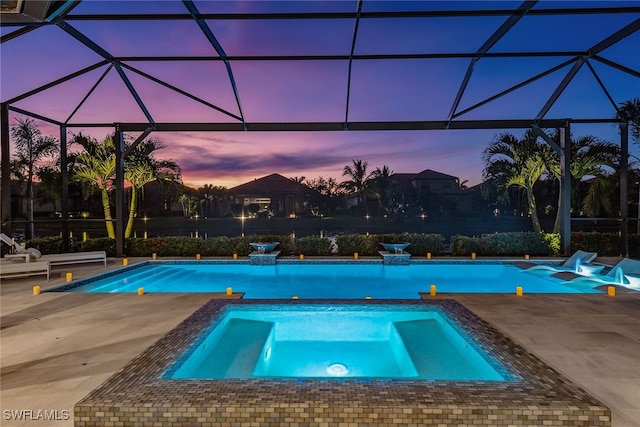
138,393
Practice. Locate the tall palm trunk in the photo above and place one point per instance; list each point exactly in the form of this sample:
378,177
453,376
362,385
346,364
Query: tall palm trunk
132,213
534,211
107,214
558,222
30,232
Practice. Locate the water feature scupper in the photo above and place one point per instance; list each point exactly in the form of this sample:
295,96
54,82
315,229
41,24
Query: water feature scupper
395,248
264,248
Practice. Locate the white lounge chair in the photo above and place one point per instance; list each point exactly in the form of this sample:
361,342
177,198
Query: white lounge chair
579,263
9,270
58,259
625,273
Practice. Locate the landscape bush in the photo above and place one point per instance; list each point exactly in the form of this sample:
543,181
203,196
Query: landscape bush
496,244
507,244
313,246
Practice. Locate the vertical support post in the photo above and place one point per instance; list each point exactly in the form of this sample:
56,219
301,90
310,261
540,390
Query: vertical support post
118,141
565,189
5,155
64,172
624,169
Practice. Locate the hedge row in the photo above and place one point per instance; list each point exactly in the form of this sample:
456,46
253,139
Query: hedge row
498,244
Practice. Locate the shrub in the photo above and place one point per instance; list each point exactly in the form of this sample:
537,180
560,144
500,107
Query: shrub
101,244
312,245
364,245
420,244
50,245
464,245
605,244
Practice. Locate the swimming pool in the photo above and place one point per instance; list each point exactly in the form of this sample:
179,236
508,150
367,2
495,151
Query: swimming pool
335,280
328,341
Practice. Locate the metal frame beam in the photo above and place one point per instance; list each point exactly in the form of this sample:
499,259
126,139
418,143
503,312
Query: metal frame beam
121,204
353,48
351,15
64,171
488,44
5,184
624,171
180,91
515,87
617,66
195,14
594,50
565,190
334,126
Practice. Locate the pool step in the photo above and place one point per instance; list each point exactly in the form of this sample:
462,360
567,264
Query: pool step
438,355
237,352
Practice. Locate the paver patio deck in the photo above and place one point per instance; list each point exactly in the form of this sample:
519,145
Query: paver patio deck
56,347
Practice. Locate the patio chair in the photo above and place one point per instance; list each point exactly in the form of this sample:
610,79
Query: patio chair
10,270
58,259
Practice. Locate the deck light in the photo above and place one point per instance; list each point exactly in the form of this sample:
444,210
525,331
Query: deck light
611,291
36,290
229,290
140,291
432,290
519,291
69,277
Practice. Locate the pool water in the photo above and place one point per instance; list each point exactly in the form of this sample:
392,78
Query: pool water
336,281
334,343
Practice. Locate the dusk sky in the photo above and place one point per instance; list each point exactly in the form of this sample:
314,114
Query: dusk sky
315,91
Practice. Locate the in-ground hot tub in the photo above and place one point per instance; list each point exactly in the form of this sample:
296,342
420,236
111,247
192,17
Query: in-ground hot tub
529,393
309,341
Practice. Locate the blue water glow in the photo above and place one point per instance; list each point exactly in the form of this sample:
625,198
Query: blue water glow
329,280
330,342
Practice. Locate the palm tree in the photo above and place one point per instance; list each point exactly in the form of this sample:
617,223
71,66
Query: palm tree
141,167
31,150
298,179
383,186
96,167
516,163
588,157
630,111
359,182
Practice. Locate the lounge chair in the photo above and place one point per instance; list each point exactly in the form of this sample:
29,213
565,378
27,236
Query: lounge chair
9,270
625,273
58,259
579,262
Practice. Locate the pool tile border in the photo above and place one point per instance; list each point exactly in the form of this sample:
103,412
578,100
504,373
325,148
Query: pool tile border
138,394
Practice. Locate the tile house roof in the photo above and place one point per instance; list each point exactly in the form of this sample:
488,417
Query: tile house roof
431,175
270,184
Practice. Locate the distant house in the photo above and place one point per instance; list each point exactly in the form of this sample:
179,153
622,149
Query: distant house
445,187
275,192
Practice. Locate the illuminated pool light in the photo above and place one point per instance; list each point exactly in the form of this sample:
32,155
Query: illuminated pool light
337,370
